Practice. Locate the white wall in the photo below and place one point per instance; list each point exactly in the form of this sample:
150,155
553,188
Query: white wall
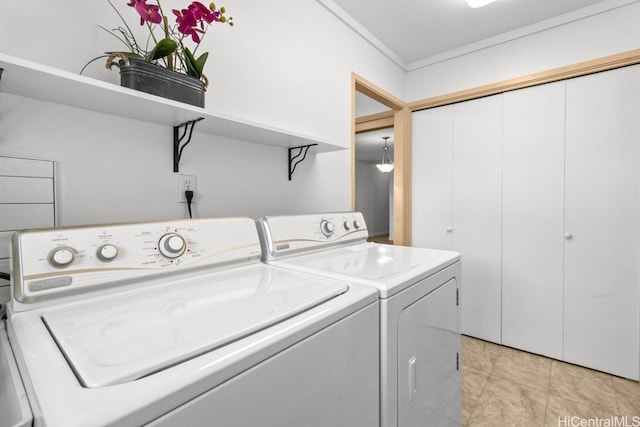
596,36
372,197
286,64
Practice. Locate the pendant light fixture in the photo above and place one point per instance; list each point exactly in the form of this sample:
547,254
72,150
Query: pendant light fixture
386,165
478,3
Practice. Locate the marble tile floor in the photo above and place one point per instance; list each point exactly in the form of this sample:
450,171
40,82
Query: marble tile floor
502,386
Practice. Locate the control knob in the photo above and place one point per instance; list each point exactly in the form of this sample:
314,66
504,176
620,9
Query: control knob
356,224
107,252
172,245
326,227
61,257
347,226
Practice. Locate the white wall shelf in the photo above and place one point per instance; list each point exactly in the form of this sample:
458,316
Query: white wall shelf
37,81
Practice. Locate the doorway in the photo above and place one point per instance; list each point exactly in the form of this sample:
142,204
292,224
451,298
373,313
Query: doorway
374,188
397,116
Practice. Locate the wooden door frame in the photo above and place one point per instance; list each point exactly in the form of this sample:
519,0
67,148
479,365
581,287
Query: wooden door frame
401,123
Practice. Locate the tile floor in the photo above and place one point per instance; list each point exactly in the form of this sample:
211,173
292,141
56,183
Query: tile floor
506,387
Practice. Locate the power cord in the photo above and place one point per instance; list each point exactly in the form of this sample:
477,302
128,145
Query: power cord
189,196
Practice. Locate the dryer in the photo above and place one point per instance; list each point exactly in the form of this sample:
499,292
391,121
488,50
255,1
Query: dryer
418,290
179,323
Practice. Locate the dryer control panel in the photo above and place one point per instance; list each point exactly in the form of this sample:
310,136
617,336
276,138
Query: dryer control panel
66,260
292,234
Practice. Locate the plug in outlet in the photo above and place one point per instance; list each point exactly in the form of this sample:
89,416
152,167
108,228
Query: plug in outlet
186,182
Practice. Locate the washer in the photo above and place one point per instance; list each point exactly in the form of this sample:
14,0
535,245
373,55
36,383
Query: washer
179,323
419,308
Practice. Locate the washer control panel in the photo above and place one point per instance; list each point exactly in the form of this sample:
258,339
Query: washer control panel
54,261
282,235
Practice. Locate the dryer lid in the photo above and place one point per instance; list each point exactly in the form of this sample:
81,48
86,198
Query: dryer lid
116,339
389,268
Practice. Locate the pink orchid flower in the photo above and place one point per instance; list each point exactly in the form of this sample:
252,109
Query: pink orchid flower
187,24
147,12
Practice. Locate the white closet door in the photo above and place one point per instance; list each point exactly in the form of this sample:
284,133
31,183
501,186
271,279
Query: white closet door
432,136
533,214
477,201
602,250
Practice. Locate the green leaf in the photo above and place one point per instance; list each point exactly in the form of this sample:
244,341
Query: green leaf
165,47
195,66
200,62
191,63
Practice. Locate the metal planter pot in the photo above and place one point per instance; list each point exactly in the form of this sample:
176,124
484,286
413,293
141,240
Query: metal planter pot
160,81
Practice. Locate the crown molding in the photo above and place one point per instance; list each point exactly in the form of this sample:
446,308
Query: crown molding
528,30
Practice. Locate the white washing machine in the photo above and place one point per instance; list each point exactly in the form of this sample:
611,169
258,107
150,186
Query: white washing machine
180,324
419,308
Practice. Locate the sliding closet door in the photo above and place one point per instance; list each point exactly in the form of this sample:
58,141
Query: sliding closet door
533,214
477,194
432,136
602,250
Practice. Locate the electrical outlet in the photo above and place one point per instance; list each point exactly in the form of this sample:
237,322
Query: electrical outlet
186,182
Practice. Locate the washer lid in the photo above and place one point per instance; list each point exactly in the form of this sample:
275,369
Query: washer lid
116,339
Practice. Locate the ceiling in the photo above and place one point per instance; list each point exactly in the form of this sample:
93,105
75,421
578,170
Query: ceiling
369,145
414,33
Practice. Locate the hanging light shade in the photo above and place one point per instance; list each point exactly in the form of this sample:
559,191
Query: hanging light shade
386,165
479,3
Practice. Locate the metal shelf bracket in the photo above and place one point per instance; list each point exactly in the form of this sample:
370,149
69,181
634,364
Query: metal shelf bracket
293,160
177,139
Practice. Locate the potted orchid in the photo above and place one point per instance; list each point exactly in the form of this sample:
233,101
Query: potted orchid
165,57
